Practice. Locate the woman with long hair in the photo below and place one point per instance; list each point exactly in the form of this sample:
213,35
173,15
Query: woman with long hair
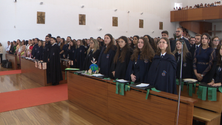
215,42
92,53
62,43
151,41
162,73
203,59
79,54
187,69
106,55
216,70
140,61
71,51
121,59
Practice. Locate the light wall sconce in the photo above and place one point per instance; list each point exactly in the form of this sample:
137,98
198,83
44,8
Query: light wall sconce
82,6
41,3
15,1
141,13
100,28
128,11
115,10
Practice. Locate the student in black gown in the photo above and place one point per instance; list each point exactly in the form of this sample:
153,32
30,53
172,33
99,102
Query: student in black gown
92,52
216,70
65,47
35,47
79,54
162,73
121,59
39,51
135,41
140,61
187,69
71,51
62,43
203,59
54,63
106,55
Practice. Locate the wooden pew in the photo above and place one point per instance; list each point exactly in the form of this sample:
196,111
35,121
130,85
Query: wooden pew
30,71
38,75
13,59
64,64
207,111
98,96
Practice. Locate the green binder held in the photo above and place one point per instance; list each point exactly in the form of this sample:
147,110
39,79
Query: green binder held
70,69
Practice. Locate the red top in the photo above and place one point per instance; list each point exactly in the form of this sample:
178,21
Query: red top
31,47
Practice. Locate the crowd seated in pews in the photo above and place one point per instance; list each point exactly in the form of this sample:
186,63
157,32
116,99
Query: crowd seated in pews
201,5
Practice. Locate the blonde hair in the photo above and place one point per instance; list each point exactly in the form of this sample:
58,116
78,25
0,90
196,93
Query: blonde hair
96,46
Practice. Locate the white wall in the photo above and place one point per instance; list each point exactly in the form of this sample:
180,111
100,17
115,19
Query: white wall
18,20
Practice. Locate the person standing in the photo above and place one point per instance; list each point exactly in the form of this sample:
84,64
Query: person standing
54,63
1,52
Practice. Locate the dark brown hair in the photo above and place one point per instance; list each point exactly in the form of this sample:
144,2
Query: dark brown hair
147,51
185,51
208,36
168,49
110,45
62,43
219,56
121,56
213,40
166,32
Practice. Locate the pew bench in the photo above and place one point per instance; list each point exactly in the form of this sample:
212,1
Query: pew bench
207,111
99,97
13,59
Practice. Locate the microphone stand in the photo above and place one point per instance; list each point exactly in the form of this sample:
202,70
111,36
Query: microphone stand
181,65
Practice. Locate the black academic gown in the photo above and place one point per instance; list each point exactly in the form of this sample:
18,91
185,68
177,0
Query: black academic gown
187,69
89,57
138,68
162,73
71,53
105,60
34,50
55,66
79,57
39,52
121,67
65,49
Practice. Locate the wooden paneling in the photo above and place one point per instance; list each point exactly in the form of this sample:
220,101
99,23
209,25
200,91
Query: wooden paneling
195,14
98,96
30,71
197,27
210,105
210,13
13,59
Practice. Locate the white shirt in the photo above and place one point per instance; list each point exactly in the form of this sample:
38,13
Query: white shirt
161,55
8,48
53,44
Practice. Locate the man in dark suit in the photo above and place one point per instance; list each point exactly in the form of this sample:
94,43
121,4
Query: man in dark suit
179,36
